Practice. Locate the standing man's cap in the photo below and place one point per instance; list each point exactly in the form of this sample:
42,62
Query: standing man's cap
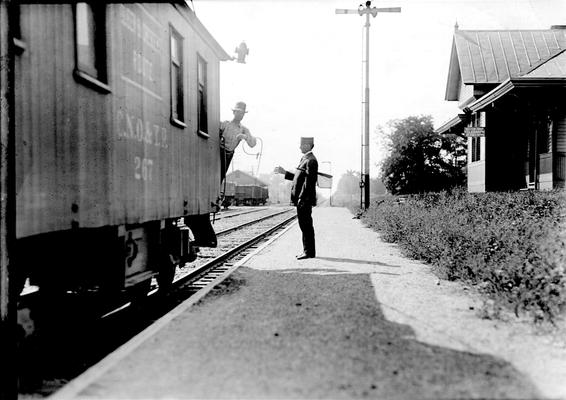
307,140
240,106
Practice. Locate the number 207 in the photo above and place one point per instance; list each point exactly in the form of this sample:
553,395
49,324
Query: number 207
143,168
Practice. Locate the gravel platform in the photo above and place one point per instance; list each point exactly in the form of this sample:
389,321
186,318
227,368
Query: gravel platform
359,321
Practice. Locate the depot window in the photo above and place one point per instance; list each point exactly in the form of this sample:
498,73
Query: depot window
90,45
478,120
202,96
177,96
476,149
544,132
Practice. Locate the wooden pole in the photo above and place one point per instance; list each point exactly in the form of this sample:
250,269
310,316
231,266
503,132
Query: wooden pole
366,119
8,378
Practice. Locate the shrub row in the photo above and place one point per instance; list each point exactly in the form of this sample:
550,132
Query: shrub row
512,245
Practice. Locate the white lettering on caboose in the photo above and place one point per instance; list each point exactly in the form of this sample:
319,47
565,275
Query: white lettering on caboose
141,49
135,24
132,127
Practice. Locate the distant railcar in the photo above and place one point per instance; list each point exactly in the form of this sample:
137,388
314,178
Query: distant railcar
117,110
229,193
264,194
251,195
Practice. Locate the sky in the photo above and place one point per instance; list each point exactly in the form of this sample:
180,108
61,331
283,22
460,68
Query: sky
304,72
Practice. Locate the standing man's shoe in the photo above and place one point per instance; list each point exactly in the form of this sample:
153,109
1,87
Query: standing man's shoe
303,256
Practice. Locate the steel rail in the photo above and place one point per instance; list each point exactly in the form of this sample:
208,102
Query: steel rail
237,214
233,228
193,275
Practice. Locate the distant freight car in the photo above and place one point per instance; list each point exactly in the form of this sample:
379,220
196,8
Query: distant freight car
251,195
229,193
117,110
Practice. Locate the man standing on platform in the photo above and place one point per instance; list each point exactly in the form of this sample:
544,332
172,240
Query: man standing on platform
303,194
231,133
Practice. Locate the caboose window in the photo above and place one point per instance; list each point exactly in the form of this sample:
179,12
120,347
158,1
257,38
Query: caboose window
202,96
15,16
177,106
90,42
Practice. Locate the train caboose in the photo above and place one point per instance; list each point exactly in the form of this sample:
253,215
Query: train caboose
117,120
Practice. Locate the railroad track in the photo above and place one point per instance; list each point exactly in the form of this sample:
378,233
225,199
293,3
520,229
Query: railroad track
233,242
241,217
227,226
222,260
82,341
236,213
254,221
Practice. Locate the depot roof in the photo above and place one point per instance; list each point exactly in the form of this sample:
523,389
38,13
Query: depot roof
493,56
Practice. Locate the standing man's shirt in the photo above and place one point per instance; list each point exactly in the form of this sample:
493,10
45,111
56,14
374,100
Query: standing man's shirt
230,131
303,190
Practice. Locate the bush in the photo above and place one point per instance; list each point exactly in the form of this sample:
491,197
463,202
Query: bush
513,245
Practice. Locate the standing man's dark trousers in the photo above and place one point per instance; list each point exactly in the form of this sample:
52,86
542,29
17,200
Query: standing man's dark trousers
304,215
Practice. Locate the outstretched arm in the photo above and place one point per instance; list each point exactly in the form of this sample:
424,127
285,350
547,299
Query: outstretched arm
247,136
288,175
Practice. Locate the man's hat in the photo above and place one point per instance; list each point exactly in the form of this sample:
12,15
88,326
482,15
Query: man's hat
240,106
307,140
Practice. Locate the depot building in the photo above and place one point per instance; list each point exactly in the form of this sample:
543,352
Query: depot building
511,88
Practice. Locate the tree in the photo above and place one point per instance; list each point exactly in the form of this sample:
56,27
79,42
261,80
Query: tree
279,188
347,190
420,160
377,187
349,183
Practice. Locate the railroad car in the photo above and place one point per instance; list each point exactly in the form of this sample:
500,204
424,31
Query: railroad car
229,193
248,189
117,153
251,195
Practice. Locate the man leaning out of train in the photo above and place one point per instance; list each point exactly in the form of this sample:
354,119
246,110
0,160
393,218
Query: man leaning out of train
231,134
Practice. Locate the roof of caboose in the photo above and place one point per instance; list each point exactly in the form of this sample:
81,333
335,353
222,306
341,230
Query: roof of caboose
493,56
202,31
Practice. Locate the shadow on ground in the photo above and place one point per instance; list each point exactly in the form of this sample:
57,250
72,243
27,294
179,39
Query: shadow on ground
294,334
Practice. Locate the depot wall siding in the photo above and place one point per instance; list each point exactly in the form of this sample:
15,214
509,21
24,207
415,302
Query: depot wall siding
476,176
466,93
560,132
545,181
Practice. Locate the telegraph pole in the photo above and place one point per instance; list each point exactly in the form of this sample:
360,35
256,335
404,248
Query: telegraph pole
367,11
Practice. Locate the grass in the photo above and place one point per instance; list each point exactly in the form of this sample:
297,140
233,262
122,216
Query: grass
511,245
